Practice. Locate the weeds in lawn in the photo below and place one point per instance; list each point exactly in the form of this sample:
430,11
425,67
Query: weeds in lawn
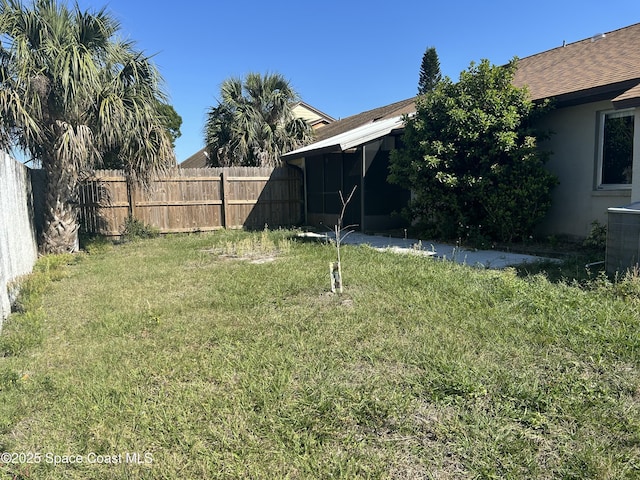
254,246
624,286
96,244
597,238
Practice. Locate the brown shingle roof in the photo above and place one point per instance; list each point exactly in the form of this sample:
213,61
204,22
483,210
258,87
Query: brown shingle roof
604,64
599,64
197,160
349,123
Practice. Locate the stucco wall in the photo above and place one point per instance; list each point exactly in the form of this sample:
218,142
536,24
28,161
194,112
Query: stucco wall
18,247
576,200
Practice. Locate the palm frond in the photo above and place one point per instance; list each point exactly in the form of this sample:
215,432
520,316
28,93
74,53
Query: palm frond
75,146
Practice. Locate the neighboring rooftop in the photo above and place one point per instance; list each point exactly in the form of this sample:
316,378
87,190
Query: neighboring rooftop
312,115
606,65
349,123
600,65
197,160
603,65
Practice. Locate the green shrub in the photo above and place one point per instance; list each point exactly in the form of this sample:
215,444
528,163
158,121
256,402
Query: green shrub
470,157
597,238
134,229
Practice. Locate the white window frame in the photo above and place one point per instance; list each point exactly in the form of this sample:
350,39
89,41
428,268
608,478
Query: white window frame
636,142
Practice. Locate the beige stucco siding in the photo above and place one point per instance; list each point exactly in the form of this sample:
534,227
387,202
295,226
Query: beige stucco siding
577,201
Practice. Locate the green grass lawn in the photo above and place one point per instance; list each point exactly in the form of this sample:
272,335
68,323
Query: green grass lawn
224,356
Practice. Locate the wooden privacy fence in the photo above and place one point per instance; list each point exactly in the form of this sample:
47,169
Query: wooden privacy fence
194,199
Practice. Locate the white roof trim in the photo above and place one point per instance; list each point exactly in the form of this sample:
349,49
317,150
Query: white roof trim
352,138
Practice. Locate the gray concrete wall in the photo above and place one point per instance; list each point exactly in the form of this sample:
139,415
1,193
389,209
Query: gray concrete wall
18,245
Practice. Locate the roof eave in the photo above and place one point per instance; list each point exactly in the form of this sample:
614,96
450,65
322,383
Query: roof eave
626,103
590,95
630,98
353,138
316,151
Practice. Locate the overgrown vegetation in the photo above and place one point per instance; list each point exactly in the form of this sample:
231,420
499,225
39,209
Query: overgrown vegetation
24,328
470,157
597,238
264,247
135,228
231,369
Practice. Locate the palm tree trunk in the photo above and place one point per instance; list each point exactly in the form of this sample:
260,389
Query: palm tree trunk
60,230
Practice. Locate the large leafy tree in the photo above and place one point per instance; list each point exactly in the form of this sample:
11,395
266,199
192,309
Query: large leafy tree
471,159
253,123
70,91
171,120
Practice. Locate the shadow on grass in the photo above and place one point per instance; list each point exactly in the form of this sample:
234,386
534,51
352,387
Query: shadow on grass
579,265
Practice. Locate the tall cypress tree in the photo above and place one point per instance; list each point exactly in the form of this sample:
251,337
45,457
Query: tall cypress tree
430,74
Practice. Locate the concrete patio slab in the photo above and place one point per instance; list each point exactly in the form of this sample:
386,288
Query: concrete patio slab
492,259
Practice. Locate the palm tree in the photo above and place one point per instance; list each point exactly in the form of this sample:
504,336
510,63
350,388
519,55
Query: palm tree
69,91
254,124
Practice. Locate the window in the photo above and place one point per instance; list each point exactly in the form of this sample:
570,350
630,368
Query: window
616,148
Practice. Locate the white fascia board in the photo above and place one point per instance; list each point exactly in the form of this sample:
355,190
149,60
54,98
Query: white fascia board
352,138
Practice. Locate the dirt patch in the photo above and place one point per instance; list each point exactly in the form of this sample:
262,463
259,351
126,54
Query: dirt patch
255,257
329,297
261,260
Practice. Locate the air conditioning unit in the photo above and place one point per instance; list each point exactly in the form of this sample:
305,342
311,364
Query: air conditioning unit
623,238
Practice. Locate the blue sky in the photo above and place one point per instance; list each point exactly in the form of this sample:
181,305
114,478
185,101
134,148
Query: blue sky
342,57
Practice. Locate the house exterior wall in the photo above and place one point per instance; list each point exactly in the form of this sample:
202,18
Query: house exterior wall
577,200
300,111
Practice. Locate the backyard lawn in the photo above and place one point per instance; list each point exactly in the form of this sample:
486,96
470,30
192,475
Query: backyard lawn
225,356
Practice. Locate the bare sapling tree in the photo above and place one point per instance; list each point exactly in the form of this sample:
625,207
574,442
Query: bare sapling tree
341,232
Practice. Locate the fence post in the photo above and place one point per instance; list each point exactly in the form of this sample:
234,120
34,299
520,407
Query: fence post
224,185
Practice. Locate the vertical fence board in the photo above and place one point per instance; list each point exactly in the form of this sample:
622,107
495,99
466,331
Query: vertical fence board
194,199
